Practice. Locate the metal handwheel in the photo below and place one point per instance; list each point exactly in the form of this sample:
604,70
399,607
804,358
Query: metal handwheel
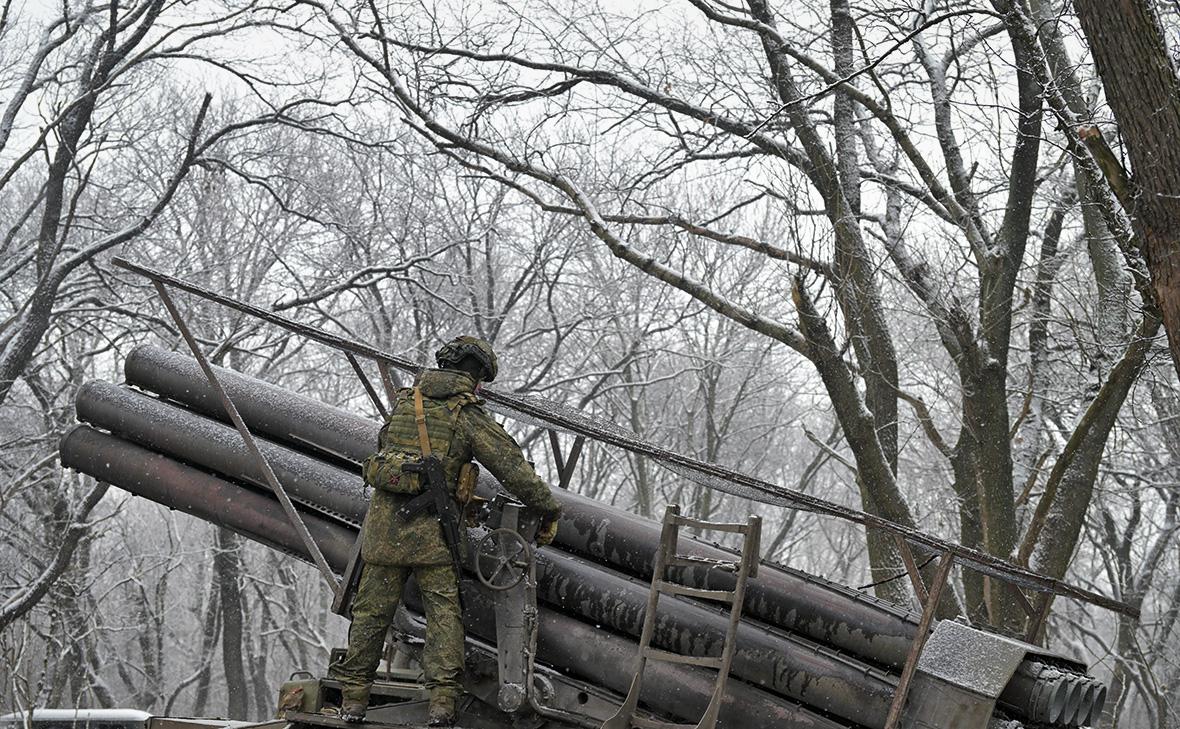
502,559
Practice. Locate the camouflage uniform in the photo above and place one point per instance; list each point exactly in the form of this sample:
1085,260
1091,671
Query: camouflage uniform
459,428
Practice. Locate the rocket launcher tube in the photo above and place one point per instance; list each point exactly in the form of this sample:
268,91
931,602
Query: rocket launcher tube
564,642
832,614
178,486
797,670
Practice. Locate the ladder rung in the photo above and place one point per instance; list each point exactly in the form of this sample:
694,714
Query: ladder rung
639,721
672,588
688,521
667,657
684,560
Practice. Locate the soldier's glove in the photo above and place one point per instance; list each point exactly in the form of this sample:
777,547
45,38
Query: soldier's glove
547,530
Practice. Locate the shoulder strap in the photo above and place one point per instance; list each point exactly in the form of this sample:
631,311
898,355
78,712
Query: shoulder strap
420,419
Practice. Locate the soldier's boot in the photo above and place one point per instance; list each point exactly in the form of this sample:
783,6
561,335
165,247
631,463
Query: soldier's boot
353,711
441,712
354,700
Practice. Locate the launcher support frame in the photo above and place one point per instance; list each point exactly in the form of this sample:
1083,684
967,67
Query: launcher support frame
251,445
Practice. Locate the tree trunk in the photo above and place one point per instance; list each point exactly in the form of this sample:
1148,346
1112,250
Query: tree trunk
1110,273
985,399
853,271
1124,646
211,626
879,492
1142,88
228,570
1028,444
260,647
1057,525
25,598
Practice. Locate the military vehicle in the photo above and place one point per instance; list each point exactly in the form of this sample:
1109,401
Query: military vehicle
552,632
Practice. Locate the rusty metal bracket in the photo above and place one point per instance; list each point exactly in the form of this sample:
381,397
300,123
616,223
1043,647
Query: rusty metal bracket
555,446
565,466
1022,600
571,462
911,567
360,373
251,445
911,664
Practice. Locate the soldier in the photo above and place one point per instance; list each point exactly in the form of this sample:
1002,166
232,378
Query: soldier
442,416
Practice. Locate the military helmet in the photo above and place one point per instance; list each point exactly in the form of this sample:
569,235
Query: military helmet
453,352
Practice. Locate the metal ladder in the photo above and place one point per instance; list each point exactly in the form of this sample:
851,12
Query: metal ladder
666,557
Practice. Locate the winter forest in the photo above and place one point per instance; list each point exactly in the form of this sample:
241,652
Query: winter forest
880,252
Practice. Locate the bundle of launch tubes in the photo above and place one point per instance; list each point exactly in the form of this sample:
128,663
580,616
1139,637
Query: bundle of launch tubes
811,653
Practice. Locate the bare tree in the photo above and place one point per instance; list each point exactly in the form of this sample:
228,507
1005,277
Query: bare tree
842,320
1139,75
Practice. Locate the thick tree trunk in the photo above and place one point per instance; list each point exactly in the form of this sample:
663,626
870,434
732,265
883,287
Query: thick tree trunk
970,526
985,399
1142,88
854,274
1110,273
1057,525
860,300
843,107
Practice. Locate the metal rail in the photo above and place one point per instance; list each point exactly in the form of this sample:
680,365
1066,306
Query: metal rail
765,491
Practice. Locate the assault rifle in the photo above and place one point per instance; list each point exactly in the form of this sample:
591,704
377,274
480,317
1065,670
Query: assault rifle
436,496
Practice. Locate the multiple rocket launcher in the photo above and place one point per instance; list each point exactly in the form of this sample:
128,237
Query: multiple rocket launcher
811,653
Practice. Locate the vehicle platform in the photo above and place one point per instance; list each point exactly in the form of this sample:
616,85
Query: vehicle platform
407,719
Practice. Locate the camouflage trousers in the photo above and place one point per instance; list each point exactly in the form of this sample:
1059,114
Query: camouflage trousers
377,598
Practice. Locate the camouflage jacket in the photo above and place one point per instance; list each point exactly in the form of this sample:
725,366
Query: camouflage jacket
459,429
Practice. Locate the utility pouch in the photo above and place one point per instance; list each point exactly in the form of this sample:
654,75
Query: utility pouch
383,470
468,478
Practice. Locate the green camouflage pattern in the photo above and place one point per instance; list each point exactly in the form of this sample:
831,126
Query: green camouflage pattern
377,598
453,352
459,428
